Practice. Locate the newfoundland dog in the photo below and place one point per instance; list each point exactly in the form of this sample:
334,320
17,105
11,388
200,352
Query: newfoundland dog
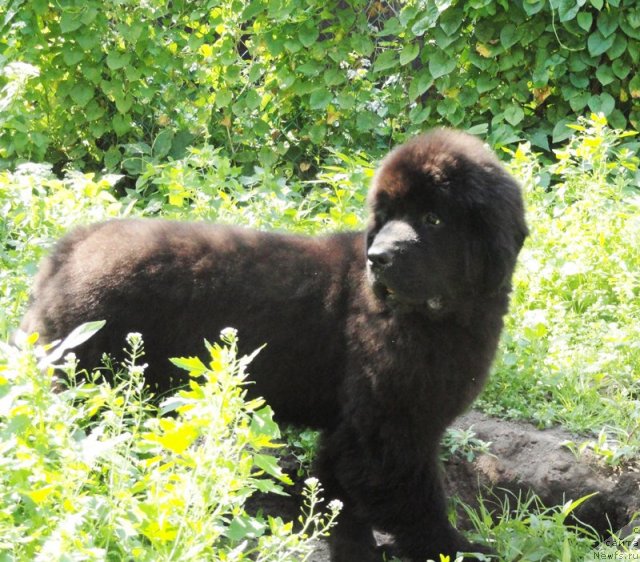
378,338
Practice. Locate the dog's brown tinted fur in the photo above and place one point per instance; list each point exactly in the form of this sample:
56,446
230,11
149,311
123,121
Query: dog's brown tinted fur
378,338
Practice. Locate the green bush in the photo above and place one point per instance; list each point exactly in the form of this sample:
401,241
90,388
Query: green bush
95,472
116,83
37,208
205,185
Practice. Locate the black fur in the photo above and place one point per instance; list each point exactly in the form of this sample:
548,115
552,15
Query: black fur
380,339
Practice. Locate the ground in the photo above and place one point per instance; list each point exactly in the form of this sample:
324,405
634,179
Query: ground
521,458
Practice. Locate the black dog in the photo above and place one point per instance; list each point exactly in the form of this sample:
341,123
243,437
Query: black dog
380,339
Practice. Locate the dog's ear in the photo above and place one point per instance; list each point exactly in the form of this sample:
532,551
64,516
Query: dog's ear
500,259
501,228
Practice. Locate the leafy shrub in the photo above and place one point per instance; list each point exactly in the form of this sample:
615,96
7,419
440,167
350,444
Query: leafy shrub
37,208
97,473
274,81
205,185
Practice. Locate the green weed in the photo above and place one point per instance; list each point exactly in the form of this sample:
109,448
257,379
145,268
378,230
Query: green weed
570,352
96,472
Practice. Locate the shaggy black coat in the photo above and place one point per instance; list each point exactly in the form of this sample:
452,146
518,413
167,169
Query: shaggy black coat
380,339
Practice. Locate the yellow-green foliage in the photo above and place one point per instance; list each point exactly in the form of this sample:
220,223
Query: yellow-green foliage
97,473
571,351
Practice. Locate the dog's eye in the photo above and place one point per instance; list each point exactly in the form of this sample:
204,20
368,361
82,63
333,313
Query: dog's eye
431,219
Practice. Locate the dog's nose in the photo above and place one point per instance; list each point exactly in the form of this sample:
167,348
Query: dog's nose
379,255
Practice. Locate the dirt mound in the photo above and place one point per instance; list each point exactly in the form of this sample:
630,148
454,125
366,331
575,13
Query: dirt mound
523,458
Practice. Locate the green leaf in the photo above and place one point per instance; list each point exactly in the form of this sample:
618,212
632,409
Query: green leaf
366,121
253,8
385,60
561,131
124,103
253,99
112,158
77,337
120,124
88,14
310,68
532,8
568,9
132,32
441,64
193,365
70,21
468,97
617,120
182,140
541,139
443,40
608,22
620,68
223,98
82,94
420,84
503,133
485,83
603,103
116,60
634,86
509,35
409,53
585,20
618,48
429,17
362,45
630,30
408,13
308,34
333,77
419,114
40,6
346,100
317,133
320,99
514,114
162,143
269,464
72,56
275,44
597,4
262,423
446,108
579,80
480,129
579,101
245,527
598,44
88,40
94,111
293,45
450,21
604,74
